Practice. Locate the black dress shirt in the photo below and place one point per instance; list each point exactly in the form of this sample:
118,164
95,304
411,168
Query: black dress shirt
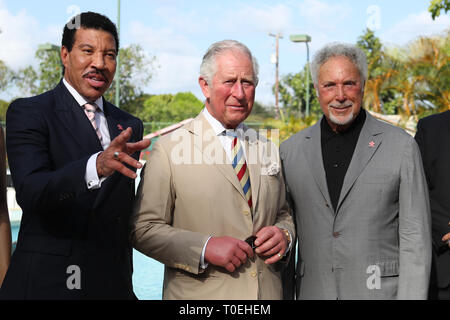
337,152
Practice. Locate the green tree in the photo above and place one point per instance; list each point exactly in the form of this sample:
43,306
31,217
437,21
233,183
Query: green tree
6,75
293,95
170,108
377,95
31,81
3,107
436,6
136,71
423,77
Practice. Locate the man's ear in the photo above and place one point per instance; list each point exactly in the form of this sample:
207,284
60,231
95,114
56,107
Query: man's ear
64,56
204,85
317,90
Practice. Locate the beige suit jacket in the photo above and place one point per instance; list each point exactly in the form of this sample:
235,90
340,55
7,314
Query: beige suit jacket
190,191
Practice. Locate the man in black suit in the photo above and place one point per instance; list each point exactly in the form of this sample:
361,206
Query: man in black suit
73,157
433,137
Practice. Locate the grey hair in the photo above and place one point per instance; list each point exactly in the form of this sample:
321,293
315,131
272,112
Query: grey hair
208,68
336,49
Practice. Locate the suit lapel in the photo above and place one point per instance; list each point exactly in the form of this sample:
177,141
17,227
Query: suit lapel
368,143
252,146
114,126
72,116
313,154
202,131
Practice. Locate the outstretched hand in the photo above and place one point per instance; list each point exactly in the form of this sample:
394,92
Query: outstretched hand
119,153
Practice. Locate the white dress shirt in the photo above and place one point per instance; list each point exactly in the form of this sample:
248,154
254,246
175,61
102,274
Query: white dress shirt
91,176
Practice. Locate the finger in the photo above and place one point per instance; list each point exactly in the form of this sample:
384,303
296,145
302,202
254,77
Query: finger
132,147
267,246
230,267
121,140
270,252
241,255
124,158
119,167
275,258
236,261
246,248
263,235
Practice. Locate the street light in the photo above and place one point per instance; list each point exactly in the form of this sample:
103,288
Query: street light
118,59
306,39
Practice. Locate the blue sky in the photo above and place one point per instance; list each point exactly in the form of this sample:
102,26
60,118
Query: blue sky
179,32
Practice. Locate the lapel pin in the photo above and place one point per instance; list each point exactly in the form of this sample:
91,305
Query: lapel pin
119,126
371,144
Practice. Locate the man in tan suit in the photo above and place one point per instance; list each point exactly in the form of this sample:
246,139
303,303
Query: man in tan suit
210,185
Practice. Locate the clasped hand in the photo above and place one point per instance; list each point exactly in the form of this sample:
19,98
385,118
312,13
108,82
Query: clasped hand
231,253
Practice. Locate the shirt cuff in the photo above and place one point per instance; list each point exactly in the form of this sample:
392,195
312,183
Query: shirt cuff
91,177
204,265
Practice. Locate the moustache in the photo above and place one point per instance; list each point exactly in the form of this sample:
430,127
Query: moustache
338,105
95,73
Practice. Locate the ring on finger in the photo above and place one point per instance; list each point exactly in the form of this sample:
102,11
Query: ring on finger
280,255
116,155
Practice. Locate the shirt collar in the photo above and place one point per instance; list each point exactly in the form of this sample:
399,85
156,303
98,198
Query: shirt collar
79,98
218,128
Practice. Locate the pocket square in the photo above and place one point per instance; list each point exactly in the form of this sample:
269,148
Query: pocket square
273,169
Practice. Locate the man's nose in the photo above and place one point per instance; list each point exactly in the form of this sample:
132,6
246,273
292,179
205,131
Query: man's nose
98,61
340,94
238,90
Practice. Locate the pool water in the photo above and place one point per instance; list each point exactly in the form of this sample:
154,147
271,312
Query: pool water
147,276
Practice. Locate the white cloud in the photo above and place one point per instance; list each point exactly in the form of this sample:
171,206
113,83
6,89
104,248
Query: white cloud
178,59
323,16
19,37
247,19
413,25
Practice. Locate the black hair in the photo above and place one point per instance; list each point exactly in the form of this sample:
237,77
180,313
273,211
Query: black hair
88,20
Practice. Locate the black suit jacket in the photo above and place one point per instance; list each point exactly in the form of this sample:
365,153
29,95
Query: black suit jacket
67,231
433,137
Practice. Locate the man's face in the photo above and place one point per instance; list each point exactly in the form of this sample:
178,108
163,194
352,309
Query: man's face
340,92
231,93
91,65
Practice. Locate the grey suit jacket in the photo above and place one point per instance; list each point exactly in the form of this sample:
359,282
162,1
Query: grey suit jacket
377,244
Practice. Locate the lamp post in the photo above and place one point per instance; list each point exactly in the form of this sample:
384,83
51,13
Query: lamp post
306,39
118,59
277,86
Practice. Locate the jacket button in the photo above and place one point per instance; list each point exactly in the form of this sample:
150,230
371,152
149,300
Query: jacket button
336,234
254,274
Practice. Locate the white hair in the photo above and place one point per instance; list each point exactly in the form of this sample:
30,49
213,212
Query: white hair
208,67
335,49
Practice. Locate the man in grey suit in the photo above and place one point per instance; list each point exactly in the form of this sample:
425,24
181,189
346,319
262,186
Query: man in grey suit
359,194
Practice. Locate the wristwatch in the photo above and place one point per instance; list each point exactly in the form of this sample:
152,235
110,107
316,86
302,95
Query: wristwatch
288,236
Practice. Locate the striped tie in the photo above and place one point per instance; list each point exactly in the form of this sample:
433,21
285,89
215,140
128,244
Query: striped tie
240,167
90,110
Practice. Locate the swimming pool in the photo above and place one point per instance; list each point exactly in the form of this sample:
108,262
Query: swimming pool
147,276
